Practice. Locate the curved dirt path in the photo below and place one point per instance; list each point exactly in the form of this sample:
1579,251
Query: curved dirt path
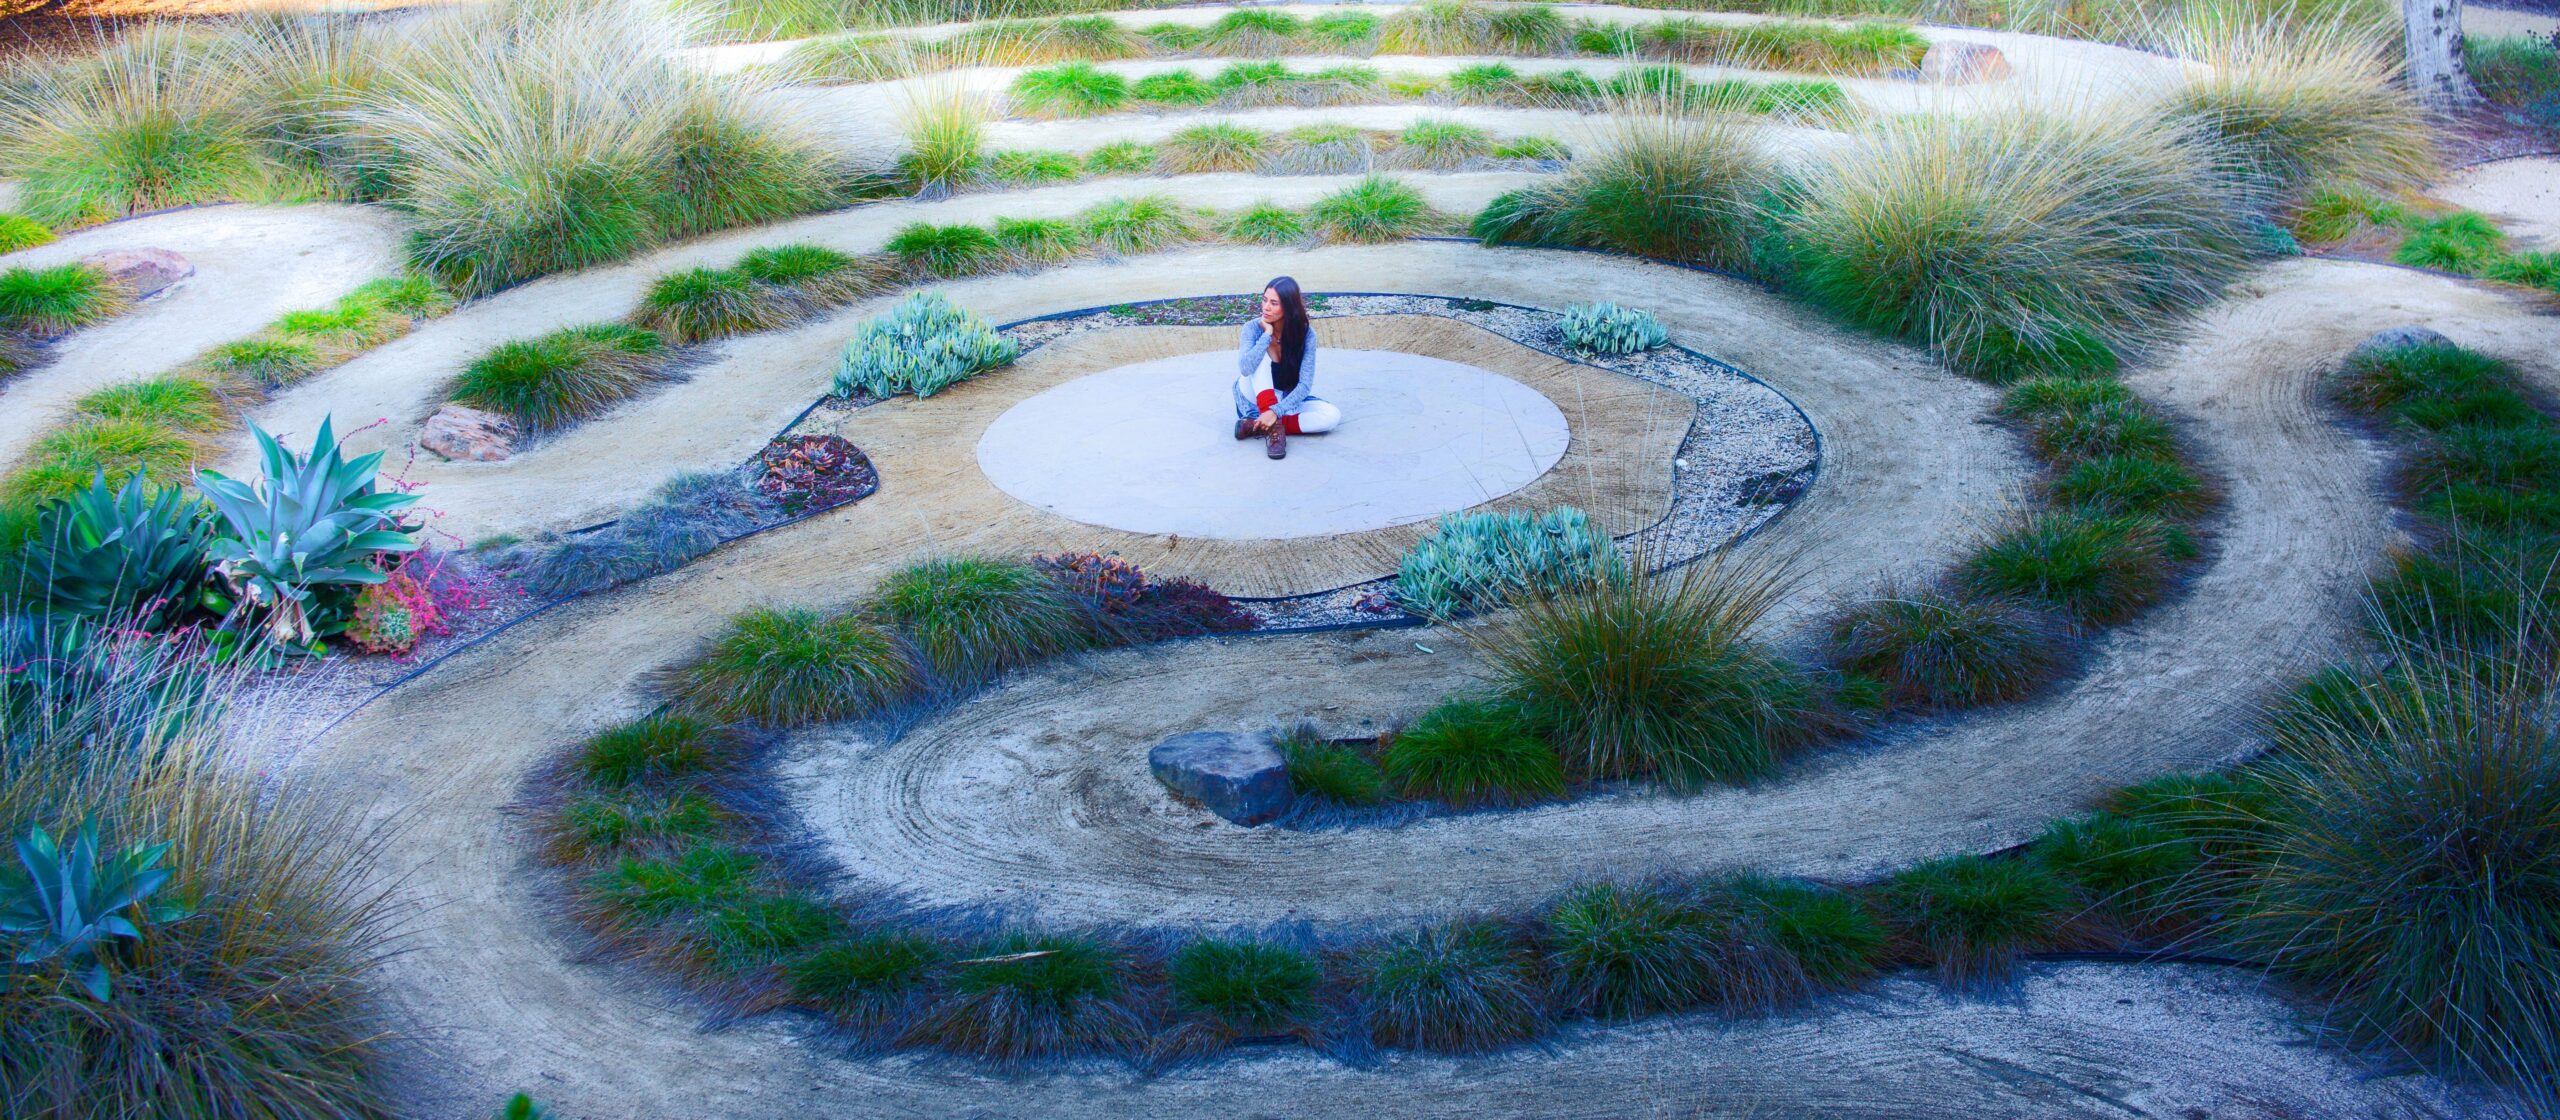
747,388
253,263
2521,194
1906,462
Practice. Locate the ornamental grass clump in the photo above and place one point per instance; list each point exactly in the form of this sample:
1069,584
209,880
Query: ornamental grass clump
1656,675
2446,787
923,346
2292,107
1027,995
1238,988
1833,937
2134,869
1656,182
2014,235
1972,916
1076,89
1467,752
1037,241
262,1001
867,979
1144,224
654,751
945,251
700,304
1439,145
1206,148
1472,562
18,231
1375,209
158,117
1338,773
788,668
814,274
531,138
945,127
1936,650
561,378
1621,950
1463,987
51,302
2093,569
972,618
1266,223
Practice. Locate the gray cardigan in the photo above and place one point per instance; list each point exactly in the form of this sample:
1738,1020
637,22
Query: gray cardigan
1255,346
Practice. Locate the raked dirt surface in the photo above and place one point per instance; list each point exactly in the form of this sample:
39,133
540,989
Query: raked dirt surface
1909,467
253,263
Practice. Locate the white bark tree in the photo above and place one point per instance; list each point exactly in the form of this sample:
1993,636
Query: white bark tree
2435,53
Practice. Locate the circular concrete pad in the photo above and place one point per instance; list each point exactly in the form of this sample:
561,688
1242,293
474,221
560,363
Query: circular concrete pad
1151,448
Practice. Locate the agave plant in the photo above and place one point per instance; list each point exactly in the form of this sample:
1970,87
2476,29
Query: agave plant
104,551
1606,328
317,520
74,901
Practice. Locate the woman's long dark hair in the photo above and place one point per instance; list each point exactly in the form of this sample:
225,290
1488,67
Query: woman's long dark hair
1293,334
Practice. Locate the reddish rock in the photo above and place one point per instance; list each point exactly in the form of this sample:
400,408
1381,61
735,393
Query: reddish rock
468,434
1953,63
147,271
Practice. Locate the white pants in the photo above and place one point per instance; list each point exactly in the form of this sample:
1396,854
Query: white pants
1315,414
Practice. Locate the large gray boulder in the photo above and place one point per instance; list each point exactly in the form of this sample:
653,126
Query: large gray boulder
1239,777
2397,338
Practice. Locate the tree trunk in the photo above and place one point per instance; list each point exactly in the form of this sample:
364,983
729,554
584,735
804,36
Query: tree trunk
2435,53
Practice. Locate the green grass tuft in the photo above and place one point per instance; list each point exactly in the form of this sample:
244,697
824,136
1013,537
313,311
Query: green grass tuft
2094,569
2133,867
1028,996
561,378
1657,676
862,977
699,304
1973,916
1835,940
1266,223
49,302
1334,772
1076,89
787,668
1245,987
1466,753
653,750
1143,224
1463,987
946,251
1657,183
1039,240
18,231
1935,650
1373,210
1208,148
972,618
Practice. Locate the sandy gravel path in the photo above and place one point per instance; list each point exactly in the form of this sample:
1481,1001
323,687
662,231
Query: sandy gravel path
2521,194
252,264
446,753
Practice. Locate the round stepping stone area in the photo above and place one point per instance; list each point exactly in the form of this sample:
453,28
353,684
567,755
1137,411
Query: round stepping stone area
1150,448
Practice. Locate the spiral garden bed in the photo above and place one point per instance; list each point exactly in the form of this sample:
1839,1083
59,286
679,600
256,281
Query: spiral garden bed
832,729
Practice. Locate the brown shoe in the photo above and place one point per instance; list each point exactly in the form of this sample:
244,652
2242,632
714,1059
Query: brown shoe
1244,429
1277,444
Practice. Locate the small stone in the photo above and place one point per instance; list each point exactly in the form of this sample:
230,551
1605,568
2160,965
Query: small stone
148,272
1953,63
468,434
1239,777
2398,338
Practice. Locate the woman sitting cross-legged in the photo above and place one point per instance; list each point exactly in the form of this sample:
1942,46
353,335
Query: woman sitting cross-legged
1276,373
